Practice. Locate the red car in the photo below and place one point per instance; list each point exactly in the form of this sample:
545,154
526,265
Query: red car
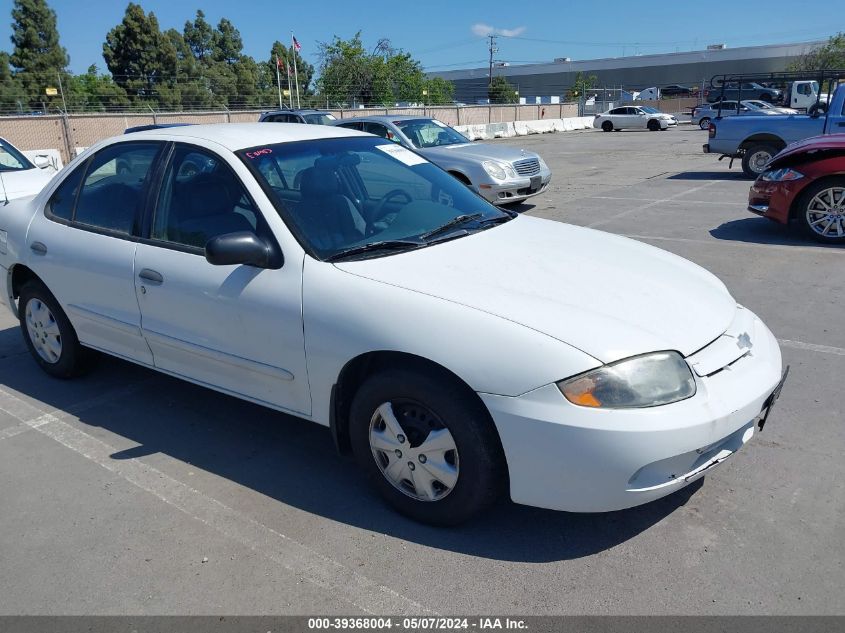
805,182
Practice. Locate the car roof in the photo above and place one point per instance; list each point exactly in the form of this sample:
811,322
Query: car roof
386,118
237,136
295,111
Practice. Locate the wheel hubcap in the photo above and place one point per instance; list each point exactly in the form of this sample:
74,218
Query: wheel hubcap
759,160
826,212
414,450
43,331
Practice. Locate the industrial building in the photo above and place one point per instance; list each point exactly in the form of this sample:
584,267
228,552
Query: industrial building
691,69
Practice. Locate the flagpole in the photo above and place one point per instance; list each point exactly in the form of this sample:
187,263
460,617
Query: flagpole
278,82
290,88
295,73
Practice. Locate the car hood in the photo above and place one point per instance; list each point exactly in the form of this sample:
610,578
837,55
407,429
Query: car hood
810,149
608,296
479,151
28,182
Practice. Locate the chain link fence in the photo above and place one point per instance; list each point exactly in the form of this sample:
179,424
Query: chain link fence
69,133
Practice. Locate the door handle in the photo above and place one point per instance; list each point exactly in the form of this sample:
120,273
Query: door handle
39,248
151,276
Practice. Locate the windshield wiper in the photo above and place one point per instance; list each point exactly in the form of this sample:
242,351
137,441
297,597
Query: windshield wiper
385,245
456,221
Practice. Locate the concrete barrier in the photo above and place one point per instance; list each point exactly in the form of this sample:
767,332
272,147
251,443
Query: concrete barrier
483,132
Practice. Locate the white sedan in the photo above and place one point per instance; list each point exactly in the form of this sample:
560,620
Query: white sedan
20,177
460,351
634,117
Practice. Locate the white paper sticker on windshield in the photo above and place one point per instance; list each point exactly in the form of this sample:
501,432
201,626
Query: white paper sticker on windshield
400,153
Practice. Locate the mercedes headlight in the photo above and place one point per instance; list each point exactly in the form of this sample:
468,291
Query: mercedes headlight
642,381
543,164
496,170
779,175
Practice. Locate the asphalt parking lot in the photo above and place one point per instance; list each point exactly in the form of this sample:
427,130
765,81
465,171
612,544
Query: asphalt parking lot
128,492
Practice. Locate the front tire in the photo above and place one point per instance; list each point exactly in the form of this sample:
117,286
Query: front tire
653,125
427,444
704,123
821,211
48,333
756,157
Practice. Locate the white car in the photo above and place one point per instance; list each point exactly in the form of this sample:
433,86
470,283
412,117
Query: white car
634,117
461,351
20,177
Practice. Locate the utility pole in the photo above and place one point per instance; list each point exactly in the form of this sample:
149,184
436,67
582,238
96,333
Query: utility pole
493,49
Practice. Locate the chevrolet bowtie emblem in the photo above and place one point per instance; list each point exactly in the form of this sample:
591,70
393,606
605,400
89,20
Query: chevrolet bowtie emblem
743,341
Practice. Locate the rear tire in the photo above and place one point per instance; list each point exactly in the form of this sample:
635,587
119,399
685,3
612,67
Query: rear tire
704,123
48,333
653,125
428,446
815,219
756,158
607,126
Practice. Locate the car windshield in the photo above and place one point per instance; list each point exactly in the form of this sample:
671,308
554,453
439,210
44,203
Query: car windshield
362,196
321,118
650,110
429,133
757,105
11,159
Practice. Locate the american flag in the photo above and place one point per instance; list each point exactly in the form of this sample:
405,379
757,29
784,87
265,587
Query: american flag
296,44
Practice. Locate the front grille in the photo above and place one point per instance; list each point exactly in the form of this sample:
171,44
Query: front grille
527,167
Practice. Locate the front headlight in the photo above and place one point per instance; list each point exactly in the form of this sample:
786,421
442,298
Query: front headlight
543,164
495,170
642,381
779,175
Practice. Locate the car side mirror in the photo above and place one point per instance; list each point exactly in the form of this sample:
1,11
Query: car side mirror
243,248
42,161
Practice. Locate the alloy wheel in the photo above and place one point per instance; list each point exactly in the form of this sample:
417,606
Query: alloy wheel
826,212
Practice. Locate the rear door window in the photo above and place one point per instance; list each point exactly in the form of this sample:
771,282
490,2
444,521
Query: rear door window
114,189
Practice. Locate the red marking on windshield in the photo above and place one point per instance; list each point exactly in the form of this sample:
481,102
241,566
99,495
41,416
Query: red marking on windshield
259,152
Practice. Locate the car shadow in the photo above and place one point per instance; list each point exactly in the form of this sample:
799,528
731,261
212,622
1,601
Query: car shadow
709,175
294,462
762,231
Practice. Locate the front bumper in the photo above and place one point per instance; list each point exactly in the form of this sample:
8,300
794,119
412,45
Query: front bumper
773,200
565,457
516,189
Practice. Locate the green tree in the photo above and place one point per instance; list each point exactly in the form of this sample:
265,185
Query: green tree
440,91
37,57
194,92
95,92
142,60
581,85
199,36
830,55
350,74
501,90
11,95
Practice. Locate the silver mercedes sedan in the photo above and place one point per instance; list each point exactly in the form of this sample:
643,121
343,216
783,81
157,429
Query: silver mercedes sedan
500,173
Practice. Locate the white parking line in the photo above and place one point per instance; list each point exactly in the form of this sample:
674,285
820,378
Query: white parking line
782,247
343,583
823,349
656,200
648,205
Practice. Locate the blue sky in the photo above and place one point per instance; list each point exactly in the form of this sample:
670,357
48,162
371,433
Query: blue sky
444,35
